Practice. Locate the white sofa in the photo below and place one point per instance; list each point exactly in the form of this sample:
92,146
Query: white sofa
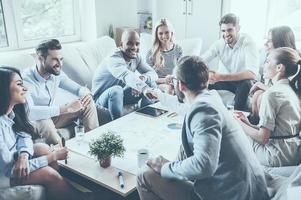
80,62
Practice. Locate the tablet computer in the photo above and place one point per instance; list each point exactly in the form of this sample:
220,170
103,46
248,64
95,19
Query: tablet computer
151,111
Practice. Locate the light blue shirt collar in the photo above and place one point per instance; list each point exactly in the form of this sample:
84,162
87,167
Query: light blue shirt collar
38,76
8,119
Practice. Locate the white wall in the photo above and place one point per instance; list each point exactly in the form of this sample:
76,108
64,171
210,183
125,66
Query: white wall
199,21
117,12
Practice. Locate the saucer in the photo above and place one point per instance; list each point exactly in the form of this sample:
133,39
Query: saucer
174,126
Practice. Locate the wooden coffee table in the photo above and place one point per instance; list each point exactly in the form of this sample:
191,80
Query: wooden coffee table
138,131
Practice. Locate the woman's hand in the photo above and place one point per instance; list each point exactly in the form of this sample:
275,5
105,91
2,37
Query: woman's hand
242,117
60,154
258,86
21,169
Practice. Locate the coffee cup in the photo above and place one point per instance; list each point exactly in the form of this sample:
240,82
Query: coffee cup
142,156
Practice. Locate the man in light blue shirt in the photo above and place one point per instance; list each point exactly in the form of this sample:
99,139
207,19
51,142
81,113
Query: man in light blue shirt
44,81
219,162
116,81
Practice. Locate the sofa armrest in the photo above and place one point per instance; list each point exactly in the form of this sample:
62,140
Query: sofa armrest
32,192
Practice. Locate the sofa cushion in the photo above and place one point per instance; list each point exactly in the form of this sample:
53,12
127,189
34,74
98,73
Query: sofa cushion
20,61
32,192
227,97
81,60
191,46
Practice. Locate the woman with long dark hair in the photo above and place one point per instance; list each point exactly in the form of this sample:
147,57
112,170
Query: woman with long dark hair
21,161
280,36
275,139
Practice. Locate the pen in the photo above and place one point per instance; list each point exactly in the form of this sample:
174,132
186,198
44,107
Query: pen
63,143
173,114
121,181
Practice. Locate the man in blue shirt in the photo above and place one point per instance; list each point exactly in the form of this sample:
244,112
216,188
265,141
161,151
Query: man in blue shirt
116,81
44,81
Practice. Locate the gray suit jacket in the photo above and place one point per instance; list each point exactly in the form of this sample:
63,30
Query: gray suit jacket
222,164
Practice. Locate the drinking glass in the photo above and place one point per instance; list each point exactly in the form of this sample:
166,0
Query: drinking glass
79,133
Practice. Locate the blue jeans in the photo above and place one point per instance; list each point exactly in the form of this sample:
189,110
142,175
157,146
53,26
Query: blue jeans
115,97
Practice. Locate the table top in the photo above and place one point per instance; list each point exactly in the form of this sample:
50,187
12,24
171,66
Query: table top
138,131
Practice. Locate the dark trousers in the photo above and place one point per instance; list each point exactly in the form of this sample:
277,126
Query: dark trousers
241,90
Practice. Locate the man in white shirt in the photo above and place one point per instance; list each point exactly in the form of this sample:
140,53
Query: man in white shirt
238,54
43,82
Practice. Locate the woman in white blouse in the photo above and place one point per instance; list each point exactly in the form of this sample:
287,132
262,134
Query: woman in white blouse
280,36
275,139
21,162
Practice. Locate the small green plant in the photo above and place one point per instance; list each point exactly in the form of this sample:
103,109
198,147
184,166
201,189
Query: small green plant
108,144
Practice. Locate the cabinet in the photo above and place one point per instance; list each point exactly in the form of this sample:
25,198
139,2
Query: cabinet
191,18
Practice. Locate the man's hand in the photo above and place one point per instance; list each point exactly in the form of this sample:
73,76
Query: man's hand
143,78
258,86
157,163
214,77
135,92
150,93
72,107
21,169
168,79
85,100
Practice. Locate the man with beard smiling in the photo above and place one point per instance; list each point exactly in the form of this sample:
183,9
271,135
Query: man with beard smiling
218,161
43,82
116,81
239,57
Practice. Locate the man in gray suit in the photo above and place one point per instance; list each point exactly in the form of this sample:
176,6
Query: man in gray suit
219,162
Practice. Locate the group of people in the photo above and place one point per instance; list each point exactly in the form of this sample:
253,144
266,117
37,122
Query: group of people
221,155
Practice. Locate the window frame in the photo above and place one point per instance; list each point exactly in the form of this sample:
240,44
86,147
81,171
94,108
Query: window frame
226,8
14,27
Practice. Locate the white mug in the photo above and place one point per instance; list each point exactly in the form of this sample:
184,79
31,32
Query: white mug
142,156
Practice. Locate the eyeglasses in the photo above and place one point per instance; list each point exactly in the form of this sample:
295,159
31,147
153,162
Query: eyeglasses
174,81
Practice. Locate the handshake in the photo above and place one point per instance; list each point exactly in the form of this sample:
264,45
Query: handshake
150,93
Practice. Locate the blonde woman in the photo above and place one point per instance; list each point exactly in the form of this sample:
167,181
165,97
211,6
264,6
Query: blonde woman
164,53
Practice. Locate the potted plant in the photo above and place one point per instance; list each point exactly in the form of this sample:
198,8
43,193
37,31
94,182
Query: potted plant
106,146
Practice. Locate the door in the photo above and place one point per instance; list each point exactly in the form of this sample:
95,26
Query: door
191,18
203,20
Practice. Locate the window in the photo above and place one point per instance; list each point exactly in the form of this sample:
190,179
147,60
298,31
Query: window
34,20
3,38
258,16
